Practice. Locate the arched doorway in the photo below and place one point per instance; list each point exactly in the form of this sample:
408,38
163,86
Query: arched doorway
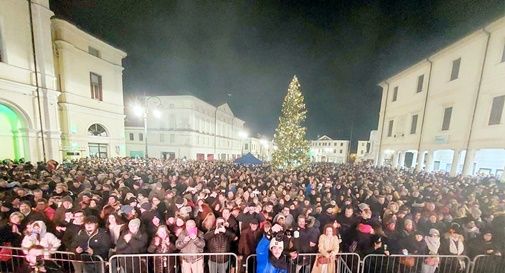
11,137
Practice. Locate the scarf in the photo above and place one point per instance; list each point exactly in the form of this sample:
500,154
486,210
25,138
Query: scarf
456,247
280,263
433,244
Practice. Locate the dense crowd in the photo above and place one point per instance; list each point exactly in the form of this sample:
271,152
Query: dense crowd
130,206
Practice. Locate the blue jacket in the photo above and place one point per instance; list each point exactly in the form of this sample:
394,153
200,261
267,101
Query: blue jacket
263,264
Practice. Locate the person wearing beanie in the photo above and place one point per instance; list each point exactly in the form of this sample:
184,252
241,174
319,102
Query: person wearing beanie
269,253
132,241
432,241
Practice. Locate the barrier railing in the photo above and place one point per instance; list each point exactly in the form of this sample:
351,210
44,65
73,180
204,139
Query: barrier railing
174,262
415,263
341,263
13,259
488,264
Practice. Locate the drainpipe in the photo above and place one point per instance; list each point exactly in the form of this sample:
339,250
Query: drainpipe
383,121
34,54
472,123
424,111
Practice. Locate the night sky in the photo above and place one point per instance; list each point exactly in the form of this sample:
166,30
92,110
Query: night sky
250,49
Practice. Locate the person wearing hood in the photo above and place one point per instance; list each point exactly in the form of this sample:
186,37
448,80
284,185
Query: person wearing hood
453,244
40,236
270,258
432,240
484,245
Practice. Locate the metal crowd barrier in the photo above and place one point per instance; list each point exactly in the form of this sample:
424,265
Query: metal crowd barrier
416,263
12,259
173,262
305,262
488,264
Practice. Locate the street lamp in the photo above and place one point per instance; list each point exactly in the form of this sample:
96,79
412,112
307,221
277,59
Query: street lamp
243,135
143,111
264,147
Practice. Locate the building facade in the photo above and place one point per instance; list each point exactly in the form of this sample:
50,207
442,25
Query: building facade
91,100
46,110
261,148
445,113
188,128
325,149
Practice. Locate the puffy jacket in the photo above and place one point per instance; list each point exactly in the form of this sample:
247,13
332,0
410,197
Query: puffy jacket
219,243
45,239
263,264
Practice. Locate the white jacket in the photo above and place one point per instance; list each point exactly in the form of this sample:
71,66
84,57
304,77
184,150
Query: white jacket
47,239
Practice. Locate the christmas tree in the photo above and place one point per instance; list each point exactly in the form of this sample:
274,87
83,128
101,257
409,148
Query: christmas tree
291,146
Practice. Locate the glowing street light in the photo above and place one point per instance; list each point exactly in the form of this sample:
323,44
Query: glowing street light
144,111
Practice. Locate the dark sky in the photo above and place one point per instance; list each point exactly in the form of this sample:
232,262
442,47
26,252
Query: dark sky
339,50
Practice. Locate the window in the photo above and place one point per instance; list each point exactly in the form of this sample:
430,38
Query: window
246,146
96,86
395,93
420,82
447,119
162,138
413,124
390,128
341,151
455,69
141,137
496,110
98,150
93,51
132,137
97,130
341,144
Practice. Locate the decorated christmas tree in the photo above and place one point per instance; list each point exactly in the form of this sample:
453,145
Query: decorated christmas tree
291,146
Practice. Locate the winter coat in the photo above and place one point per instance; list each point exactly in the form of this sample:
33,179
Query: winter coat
218,243
99,242
192,246
248,241
263,264
45,239
7,236
326,246
136,245
161,263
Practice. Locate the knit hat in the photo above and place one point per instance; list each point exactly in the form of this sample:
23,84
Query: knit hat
274,242
434,232
134,224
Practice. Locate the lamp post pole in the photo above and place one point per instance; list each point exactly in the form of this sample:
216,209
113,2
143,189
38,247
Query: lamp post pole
146,114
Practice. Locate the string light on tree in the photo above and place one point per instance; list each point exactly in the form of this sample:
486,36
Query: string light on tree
292,146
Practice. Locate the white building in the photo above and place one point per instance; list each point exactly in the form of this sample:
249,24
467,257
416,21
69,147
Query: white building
188,128
91,100
326,149
445,113
367,149
261,148
54,118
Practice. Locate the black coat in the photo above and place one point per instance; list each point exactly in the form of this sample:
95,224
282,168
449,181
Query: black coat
100,242
136,245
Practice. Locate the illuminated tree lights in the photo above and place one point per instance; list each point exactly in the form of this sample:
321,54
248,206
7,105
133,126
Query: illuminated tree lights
292,147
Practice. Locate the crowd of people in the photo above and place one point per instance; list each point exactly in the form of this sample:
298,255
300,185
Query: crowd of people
113,206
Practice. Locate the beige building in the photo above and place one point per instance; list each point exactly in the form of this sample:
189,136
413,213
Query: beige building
325,149
445,113
261,148
187,127
56,108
